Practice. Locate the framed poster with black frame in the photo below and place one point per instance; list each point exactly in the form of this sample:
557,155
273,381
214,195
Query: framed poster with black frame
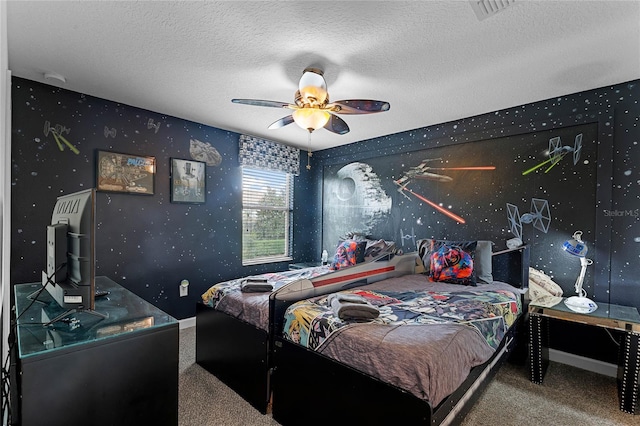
126,173
188,181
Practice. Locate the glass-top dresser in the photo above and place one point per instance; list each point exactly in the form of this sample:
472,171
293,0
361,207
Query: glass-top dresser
117,366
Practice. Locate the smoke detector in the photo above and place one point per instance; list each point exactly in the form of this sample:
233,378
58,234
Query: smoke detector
487,8
54,77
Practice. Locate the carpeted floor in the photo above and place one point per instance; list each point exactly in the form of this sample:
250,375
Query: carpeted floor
203,400
569,396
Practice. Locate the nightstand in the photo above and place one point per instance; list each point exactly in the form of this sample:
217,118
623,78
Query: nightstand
609,316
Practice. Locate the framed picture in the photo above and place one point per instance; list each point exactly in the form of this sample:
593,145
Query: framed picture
188,181
131,174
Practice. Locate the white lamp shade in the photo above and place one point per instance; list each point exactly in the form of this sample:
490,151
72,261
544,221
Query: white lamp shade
310,118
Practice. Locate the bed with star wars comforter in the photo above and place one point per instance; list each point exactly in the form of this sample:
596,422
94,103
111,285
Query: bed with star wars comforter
253,306
425,339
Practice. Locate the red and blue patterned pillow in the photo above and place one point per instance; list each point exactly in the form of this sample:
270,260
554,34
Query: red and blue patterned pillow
449,261
348,253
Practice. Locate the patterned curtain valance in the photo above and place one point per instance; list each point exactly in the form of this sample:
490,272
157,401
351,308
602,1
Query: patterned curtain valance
269,155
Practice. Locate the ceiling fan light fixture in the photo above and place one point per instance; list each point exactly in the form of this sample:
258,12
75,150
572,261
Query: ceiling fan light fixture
312,109
311,96
311,118
312,77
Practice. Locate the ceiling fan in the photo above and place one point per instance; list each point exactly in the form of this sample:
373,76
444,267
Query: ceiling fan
312,109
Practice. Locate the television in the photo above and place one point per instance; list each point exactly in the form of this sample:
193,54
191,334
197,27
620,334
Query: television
69,276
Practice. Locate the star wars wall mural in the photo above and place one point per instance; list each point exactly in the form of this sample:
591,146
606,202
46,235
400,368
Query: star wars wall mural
533,187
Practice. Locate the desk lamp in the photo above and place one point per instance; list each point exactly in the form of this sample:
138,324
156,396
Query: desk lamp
580,303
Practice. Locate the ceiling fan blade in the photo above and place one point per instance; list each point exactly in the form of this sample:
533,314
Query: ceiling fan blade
260,102
282,122
359,106
336,125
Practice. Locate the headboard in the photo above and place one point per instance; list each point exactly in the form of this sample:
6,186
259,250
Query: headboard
512,266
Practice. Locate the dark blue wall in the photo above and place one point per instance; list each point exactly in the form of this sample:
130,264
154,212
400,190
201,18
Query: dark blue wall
614,240
145,243
148,244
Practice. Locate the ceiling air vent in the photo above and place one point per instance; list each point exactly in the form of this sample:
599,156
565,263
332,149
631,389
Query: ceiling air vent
486,8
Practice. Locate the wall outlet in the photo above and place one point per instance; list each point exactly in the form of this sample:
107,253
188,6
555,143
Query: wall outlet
184,288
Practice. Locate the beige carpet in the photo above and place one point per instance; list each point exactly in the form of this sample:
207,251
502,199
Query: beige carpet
569,396
203,400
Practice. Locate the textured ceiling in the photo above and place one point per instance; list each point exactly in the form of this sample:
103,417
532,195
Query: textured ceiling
434,61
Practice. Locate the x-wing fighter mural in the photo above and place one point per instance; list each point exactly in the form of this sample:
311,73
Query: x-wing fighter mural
57,132
425,172
557,152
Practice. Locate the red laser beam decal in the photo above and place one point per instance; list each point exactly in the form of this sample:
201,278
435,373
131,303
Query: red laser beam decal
441,209
424,172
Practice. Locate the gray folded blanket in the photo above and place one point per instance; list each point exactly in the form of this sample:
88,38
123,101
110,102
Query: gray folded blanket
352,306
255,285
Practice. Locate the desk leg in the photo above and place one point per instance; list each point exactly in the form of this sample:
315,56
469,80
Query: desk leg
629,373
538,348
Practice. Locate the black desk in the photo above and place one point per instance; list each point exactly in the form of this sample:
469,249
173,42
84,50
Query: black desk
122,370
614,317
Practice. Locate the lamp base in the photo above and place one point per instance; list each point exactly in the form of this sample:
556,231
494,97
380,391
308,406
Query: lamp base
582,305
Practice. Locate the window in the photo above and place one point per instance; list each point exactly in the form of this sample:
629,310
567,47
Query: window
267,200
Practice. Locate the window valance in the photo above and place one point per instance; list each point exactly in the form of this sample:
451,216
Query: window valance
268,155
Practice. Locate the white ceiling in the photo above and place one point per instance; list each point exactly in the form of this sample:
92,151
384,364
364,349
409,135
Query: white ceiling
434,61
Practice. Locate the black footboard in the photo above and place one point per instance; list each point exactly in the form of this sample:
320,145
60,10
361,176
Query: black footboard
236,352
335,393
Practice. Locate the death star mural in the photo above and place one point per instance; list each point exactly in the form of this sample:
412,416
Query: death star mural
355,202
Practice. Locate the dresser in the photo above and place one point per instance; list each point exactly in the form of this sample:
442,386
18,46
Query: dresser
88,369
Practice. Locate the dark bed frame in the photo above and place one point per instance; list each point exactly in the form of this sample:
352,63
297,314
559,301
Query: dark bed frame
236,352
240,354
344,395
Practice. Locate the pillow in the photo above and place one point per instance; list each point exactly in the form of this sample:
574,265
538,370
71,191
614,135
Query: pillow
452,262
482,257
361,249
372,248
348,253
376,248
483,262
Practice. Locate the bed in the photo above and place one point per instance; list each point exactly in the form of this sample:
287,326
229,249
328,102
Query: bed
422,360
234,329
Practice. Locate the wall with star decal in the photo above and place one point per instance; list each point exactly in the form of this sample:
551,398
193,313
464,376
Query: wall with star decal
148,244
576,153
143,242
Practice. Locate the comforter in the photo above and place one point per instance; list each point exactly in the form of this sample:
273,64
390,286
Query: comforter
254,307
426,338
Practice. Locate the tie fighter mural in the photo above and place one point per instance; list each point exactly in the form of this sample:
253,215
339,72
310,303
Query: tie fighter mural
411,236
424,172
557,152
539,216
